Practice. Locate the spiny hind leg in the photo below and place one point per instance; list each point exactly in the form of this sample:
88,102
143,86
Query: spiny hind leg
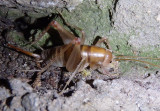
54,24
51,24
68,24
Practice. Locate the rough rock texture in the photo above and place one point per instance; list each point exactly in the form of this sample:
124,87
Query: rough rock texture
132,27
136,29
119,94
142,17
40,4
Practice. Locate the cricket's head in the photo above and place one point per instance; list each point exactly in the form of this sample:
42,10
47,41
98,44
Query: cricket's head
108,58
111,68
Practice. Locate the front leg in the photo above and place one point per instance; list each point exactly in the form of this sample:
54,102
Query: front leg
105,41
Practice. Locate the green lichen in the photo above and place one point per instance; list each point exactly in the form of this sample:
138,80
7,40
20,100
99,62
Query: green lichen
17,37
94,19
121,46
90,18
151,52
10,13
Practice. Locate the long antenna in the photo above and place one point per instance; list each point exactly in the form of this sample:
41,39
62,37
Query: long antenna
139,61
119,56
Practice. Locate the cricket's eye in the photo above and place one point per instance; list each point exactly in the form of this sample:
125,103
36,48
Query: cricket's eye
111,69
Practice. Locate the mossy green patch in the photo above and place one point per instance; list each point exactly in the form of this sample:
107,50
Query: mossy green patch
153,53
94,19
42,40
120,46
89,17
17,37
11,13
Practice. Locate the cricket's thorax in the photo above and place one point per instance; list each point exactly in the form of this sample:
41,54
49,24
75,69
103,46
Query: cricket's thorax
96,55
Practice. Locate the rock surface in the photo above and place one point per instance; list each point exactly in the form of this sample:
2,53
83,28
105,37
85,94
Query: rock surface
140,16
132,27
119,94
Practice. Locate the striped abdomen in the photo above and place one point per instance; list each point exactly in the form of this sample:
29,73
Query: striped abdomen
57,54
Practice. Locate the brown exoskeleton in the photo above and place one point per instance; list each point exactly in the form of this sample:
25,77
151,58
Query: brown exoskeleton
74,55
73,52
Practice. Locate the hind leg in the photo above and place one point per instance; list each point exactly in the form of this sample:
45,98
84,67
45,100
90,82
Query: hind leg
42,34
68,24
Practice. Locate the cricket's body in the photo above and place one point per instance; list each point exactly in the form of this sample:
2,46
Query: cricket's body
74,55
95,56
